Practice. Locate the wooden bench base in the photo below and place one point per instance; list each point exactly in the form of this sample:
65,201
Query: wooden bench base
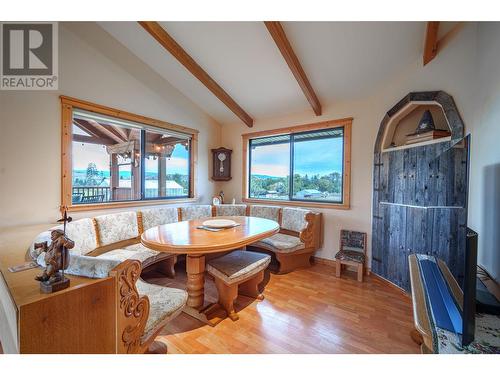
289,262
228,293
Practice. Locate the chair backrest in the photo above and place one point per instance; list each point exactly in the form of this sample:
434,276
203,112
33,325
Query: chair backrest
197,211
294,219
159,216
266,212
117,227
230,210
353,241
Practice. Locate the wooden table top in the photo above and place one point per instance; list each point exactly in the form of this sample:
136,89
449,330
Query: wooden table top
185,238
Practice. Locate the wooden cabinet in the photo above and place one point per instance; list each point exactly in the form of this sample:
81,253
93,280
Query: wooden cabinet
79,319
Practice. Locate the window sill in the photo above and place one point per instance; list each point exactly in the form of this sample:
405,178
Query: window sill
336,206
111,205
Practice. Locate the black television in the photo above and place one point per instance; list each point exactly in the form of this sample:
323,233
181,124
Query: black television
470,268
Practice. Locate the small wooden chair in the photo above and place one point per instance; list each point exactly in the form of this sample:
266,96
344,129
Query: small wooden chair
352,252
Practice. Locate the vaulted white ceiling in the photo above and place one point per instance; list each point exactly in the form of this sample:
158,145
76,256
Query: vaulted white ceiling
343,61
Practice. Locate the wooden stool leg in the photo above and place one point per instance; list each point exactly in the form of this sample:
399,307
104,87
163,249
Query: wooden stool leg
157,347
250,288
166,267
360,272
338,267
227,295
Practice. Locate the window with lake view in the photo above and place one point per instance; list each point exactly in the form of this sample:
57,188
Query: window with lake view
305,166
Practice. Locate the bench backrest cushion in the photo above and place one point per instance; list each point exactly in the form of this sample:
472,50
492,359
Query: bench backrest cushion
117,227
82,232
196,211
231,210
294,219
86,266
266,212
159,216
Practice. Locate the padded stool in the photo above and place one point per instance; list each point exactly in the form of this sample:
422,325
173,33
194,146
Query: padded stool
239,272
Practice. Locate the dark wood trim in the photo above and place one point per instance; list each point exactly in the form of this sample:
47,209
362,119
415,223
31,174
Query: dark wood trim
167,42
279,36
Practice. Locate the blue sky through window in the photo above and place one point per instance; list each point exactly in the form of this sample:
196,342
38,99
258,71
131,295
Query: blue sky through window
318,157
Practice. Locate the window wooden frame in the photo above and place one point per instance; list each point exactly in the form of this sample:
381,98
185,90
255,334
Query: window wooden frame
346,123
67,106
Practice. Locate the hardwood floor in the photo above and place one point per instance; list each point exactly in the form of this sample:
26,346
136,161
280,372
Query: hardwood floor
306,311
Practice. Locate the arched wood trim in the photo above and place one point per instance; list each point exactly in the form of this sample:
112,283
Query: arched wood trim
440,97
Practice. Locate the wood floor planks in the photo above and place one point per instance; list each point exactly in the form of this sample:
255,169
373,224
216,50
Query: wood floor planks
306,311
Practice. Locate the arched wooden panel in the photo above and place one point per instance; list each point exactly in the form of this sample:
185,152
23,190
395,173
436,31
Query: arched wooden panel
419,196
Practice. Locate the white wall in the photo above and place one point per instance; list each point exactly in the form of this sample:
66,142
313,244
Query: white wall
95,67
484,194
452,71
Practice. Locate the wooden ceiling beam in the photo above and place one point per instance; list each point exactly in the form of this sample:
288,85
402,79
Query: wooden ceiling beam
94,140
167,42
108,131
279,36
431,42
92,130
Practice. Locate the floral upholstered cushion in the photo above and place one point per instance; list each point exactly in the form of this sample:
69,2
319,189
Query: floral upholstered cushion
238,265
231,210
351,255
281,243
117,227
81,265
141,254
82,232
164,304
196,212
266,212
158,216
294,219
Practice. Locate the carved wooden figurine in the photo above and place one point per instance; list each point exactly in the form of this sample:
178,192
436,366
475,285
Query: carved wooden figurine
56,260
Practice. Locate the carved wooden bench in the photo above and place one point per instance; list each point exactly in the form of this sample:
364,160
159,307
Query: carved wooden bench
142,309
298,239
239,272
117,237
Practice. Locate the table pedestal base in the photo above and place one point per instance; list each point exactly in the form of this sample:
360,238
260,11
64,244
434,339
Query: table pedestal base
211,314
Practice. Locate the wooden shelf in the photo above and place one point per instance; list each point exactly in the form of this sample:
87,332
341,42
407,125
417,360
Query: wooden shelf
425,143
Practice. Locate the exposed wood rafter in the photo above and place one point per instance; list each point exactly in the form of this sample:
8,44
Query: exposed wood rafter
431,41
162,37
94,140
279,36
92,130
108,131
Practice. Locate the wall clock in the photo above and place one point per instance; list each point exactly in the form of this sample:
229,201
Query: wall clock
221,160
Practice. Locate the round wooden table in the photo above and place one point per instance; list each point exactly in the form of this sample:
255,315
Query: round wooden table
185,237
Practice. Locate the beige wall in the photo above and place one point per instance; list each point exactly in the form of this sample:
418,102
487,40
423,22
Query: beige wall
95,67
484,193
452,71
